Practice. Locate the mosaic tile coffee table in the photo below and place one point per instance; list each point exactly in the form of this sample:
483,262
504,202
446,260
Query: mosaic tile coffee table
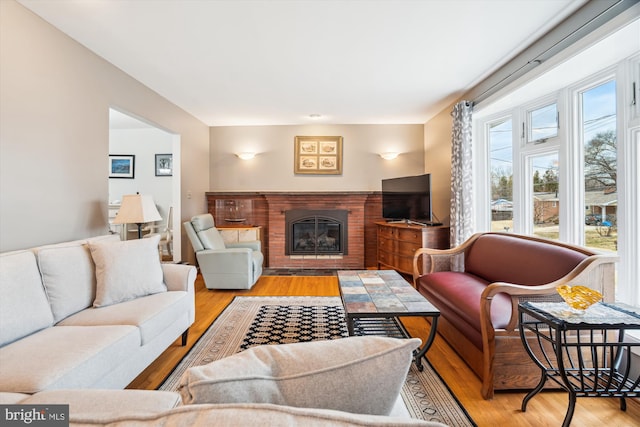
374,299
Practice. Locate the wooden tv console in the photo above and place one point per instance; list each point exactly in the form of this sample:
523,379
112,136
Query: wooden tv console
397,242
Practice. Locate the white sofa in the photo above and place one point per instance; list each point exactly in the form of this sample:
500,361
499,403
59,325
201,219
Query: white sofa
88,314
146,408
354,381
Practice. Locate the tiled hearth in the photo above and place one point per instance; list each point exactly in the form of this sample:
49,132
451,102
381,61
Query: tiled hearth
268,211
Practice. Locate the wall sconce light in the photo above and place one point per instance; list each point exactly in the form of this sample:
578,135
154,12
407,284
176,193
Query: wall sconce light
389,155
247,155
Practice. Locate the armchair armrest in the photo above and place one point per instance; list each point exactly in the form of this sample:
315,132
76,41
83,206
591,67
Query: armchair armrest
225,261
255,245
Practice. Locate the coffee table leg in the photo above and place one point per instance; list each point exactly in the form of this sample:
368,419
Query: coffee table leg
427,345
349,325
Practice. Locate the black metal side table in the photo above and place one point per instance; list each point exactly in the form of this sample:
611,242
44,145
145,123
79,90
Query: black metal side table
584,353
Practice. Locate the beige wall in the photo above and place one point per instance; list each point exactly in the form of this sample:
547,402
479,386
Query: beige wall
272,168
54,136
437,149
54,142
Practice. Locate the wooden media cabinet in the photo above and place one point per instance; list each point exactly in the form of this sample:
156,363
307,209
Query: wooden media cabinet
397,242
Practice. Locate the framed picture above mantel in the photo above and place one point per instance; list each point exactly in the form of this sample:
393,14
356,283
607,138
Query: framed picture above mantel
318,155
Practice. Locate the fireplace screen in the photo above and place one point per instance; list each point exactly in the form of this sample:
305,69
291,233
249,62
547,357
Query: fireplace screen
316,232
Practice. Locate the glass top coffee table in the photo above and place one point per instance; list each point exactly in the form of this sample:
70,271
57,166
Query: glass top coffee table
588,356
374,299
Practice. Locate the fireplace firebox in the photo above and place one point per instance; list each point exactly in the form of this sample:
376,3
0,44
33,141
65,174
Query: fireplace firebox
316,232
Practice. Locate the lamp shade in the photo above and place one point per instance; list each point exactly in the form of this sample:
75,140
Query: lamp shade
137,209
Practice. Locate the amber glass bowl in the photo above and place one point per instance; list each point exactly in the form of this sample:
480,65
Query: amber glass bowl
579,297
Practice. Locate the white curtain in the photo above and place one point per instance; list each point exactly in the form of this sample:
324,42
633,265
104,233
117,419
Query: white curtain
461,174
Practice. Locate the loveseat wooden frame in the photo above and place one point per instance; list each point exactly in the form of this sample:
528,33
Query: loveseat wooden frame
502,363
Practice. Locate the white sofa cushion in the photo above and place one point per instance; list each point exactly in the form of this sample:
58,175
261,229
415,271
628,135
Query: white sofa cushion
69,277
24,308
233,415
356,374
9,398
101,402
66,357
104,238
126,270
152,314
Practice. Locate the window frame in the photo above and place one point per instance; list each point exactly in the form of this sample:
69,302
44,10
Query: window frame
482,174
629,181
577,232
569,145
528,124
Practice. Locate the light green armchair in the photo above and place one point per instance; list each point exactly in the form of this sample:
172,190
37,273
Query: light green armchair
223,266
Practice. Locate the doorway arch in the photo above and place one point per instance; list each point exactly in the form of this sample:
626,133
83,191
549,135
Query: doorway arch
138,137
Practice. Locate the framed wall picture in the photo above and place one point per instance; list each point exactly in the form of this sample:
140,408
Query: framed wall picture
122,166
164,164
318,155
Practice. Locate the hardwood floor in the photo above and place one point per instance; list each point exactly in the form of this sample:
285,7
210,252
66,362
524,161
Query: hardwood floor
546,409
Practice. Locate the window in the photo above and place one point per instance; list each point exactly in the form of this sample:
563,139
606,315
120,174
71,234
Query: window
598,133
562,153
542,123
544,188
501,167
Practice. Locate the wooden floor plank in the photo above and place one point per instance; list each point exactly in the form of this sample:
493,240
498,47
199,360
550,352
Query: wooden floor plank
546,409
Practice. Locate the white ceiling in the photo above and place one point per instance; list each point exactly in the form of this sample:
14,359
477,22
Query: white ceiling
259,62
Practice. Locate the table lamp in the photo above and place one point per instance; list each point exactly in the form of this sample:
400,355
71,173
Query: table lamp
137,209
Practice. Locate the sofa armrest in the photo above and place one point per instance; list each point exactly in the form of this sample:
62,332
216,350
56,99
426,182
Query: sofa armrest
428,260
255,245
516,292
179,277
595,272
96,403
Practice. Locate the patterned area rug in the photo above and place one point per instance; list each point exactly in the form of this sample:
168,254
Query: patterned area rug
250,321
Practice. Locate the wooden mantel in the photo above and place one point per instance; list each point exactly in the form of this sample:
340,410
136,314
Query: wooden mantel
266,209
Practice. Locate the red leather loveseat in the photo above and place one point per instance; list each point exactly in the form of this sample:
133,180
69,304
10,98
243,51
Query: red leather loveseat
477,287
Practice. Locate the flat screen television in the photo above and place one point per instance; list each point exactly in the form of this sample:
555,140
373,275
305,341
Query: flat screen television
407,199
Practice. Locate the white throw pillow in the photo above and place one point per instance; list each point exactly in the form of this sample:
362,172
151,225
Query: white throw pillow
126,270
68,275
357,374
24,308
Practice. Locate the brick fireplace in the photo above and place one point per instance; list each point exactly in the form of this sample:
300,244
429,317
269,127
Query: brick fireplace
269,210
280,204
316,232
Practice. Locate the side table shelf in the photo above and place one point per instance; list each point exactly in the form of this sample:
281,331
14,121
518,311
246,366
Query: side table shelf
585,353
